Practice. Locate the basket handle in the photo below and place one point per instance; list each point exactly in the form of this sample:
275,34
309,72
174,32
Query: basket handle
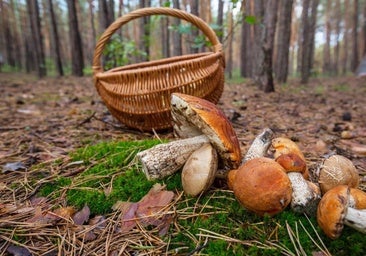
198,22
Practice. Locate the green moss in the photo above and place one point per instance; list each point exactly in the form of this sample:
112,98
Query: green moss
213,224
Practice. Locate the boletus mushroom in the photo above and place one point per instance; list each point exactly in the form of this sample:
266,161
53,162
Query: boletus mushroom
262,186
199,171
306,194
334,212
337,170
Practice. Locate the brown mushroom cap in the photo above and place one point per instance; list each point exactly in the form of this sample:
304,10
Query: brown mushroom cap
193,116
292,162
262,186
358,197
199,171
231,177
332,210
337,170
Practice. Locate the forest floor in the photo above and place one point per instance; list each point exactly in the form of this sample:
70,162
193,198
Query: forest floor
43,120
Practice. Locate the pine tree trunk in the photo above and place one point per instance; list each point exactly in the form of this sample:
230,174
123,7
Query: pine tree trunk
338,17
195,32
345,54
144,32
264,75
35,23
229,54
283,40
355,61
177,37
328,31
220,19
77,61
246,42
165,38
56,40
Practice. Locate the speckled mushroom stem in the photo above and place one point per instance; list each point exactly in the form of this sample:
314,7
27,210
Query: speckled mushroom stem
165,159
259,146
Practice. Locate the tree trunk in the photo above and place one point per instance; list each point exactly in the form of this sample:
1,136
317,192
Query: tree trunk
195,32
77,61
364,29
283,40
165,38
35,23
328,31
229,61
345,38
144,32
177,37
338,17
308,33
355,61
220,20
246,42
264,76
56,41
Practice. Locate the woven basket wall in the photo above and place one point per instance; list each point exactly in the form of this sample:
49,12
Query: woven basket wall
138,95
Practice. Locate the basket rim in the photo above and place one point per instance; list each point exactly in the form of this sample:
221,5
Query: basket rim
152,66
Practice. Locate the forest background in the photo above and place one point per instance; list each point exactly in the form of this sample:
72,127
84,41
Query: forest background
291,38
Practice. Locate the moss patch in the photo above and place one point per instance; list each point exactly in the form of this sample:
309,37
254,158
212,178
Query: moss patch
213,224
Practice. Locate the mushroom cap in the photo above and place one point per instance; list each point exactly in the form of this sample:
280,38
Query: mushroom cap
292,162
284,146
332,210
193,116
337,170
199,171
357,198
262,186
231,177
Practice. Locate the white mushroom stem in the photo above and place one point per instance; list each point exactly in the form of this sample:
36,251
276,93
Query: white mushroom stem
165,159
305,195
356,219
259,146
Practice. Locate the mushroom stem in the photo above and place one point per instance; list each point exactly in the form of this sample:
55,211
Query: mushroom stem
356,219
165,159
305,195
259,146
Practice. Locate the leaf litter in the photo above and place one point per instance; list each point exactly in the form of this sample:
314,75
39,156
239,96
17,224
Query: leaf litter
41,121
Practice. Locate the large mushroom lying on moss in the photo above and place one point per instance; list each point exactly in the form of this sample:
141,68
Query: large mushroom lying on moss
340,206
197,122
261,186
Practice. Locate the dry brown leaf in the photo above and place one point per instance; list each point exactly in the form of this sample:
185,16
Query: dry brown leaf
82,216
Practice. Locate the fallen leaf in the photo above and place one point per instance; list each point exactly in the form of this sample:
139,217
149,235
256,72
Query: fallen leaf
82,216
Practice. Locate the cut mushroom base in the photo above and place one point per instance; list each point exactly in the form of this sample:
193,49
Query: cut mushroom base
356,219
259,146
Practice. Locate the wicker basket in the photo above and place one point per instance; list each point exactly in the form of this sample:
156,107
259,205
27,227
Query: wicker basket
138,95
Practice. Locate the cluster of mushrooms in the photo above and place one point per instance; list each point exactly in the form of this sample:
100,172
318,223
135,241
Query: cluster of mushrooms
271,175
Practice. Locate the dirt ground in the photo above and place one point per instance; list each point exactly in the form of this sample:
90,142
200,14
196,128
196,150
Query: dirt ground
41,120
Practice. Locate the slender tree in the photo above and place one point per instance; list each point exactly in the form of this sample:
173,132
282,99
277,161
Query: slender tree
337,18
345,59
77,61
56,40
144,32
195,32
37,38
229,54
177,37
220,20
164,30
354,60
283,40
328,31
264,75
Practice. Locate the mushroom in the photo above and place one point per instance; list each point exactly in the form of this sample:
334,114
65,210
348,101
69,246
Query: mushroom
262,186
337,170
334,212
197,121
167,158
305,195
199,171
193,116
258,148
